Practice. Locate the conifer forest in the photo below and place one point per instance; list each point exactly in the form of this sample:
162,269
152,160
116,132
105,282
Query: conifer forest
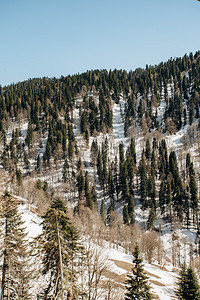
99,161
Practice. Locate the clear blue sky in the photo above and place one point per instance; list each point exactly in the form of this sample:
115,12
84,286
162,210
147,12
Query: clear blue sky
60,37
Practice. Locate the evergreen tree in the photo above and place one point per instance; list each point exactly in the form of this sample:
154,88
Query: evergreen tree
169,199
109,210
65,171
59,245
111,187
94,153
84,122
29,136
89,202
136,284
19,177
162,196
99,166
186,204
94,196
125,214
47,154
14,253
132,150
188,161
143,182
130,164
188,287
194,196
151,218
153,164
151,189
103,211
26,161
148,149
38,163
131,209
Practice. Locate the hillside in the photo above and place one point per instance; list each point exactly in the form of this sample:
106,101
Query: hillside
117,264
122,150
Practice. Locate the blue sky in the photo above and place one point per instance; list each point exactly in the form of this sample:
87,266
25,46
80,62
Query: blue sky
53,38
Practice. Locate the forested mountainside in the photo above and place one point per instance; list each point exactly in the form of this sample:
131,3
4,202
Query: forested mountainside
64,136
122,151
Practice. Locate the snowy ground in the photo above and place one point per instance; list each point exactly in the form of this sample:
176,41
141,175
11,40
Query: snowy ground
162,281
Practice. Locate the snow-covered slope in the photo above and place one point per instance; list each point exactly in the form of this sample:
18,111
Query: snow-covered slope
119,264
162,277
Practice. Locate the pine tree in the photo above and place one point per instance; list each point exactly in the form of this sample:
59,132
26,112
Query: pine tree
151,189
132,150
188,287
109,210
125,214
143,182
65,171
47,154
94,152
162,196
29,136
89,202
151,218
131,209
19,177
94,196
136,284
103,211
99,166
148,149
59,244
38,163
14,252
111,187
194,196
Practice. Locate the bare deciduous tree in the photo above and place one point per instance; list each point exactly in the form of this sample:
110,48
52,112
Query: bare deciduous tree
149,245
96,265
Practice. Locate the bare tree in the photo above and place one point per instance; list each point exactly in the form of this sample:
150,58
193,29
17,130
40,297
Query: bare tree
149,245
112,291
96,265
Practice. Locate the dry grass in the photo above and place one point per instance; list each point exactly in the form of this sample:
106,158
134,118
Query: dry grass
157,283
151,274
116,277
114,284
124,265
119,280
128,267
160,267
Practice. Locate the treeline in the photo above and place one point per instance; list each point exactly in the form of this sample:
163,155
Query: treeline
48,106
38,133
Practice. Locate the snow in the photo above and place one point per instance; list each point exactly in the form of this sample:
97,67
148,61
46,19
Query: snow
32,222
163,278
162,281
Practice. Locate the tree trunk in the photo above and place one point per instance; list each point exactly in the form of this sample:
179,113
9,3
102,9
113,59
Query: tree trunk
4,272
60,256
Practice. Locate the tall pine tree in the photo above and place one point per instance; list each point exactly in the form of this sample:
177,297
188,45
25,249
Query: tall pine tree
59,244
14,252
188,287
136,284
